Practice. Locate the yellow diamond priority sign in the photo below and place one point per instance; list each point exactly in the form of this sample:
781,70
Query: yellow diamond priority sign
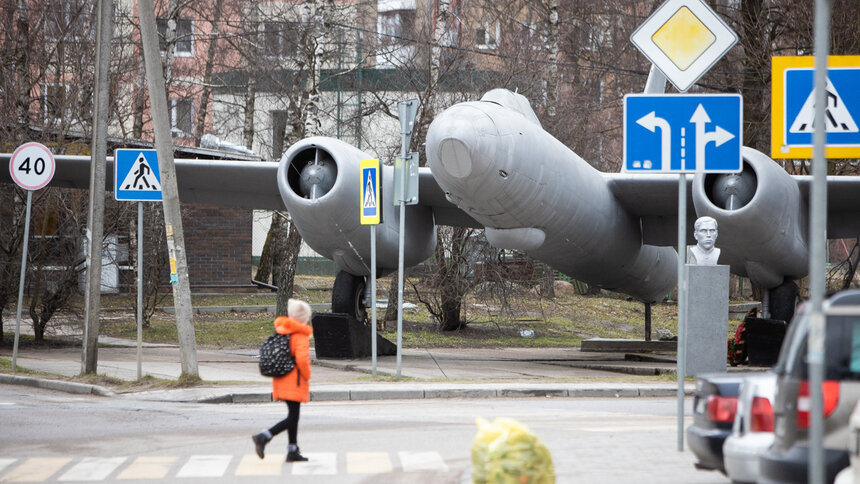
684,38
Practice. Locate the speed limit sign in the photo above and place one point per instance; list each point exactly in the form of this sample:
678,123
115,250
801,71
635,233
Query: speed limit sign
32,166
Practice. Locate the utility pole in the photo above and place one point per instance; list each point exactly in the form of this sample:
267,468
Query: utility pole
170,191
95,220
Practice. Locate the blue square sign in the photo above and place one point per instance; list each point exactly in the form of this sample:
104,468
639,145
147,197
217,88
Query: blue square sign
681,133
136,176
843,105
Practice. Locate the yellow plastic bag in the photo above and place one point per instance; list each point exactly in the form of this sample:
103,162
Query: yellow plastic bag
506,452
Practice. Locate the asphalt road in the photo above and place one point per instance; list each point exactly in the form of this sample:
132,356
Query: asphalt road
57,437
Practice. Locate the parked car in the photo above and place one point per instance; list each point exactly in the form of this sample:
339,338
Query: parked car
787,460
752,431
714,406
851,474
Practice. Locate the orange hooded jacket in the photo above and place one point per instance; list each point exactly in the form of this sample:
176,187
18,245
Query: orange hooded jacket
293,387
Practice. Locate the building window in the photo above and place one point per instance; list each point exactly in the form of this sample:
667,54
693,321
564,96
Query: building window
280,39
395,28
181,117
183,45
396,25
487,35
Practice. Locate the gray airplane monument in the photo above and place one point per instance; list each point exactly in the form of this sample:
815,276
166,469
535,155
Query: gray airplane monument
491,165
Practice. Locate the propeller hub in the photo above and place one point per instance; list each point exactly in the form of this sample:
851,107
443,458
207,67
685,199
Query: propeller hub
317,178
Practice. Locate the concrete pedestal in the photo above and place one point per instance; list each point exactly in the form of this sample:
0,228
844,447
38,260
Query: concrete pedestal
707,319
342,336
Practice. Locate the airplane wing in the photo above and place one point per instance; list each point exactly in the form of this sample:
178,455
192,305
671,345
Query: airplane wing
430,194
654,198
229,183
843,204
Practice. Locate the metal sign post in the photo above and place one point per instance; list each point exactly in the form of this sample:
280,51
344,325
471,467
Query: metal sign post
371,214
683,39
406,111
137,178
817,245
32,167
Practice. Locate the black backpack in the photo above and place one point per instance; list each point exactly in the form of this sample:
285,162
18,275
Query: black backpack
275,356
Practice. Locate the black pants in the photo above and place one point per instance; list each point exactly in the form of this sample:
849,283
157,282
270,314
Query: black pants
290,424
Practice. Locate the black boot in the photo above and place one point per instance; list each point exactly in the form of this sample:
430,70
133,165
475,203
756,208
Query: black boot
295,456
260,441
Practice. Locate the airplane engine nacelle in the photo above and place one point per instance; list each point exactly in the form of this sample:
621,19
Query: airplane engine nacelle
319,179
761,218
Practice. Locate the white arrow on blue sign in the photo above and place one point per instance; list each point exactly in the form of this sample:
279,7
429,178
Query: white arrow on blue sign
682,133
136,176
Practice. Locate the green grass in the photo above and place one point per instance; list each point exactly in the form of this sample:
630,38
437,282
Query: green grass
491,322
222,331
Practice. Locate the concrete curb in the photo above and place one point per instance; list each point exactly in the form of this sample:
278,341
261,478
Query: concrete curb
412,391
58,385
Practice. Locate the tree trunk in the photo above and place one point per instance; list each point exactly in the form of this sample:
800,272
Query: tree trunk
552,82
22,64
391,309
207,74
139,100
547,281
272,248
287,270
250,102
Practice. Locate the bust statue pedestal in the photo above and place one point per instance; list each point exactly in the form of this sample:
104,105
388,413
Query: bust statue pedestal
707,319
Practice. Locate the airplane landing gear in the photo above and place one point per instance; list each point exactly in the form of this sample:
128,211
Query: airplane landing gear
782,300
347,295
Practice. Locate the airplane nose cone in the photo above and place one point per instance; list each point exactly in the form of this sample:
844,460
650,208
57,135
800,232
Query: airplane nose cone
457,142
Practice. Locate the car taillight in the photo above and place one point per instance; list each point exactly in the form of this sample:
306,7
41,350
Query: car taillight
721,409
830,393
761,415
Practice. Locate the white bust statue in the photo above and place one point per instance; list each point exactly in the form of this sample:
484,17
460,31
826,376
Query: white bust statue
704,253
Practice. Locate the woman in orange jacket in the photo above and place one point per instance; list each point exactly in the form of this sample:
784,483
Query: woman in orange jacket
293,387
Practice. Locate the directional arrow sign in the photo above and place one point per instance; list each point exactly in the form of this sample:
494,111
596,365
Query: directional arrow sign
676,133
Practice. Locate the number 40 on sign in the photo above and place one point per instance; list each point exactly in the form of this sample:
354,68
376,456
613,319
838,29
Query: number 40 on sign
32,166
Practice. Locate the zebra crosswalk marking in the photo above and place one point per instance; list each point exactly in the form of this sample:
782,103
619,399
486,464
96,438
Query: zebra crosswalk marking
421,461
251,465
148,467
92,469
205,466
159,468
319,464
36,469
368,463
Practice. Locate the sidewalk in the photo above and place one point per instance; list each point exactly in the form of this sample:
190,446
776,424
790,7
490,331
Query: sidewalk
231,375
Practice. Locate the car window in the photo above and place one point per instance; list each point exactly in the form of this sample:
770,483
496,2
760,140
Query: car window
841,351
855,350
793,351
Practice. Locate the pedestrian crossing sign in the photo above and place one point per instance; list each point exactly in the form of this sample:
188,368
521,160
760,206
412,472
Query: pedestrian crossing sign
136,176
793,107
371,209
